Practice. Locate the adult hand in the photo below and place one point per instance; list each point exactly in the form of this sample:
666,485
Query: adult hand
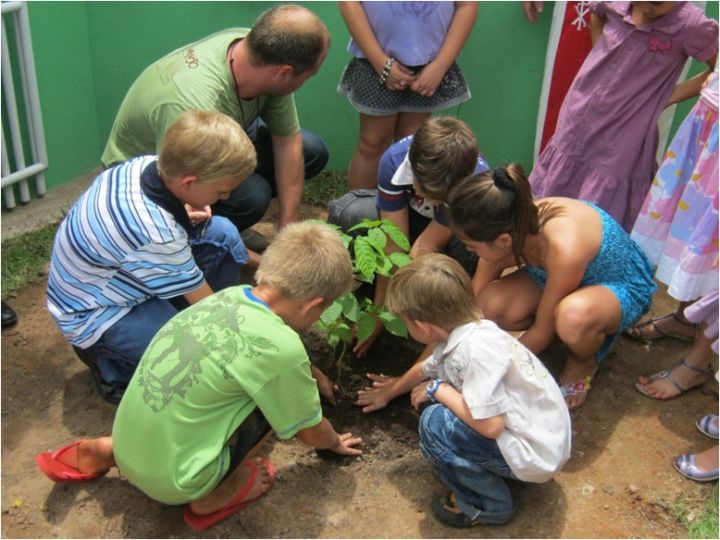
377,396
361,348
326,387
345,445
399,78
198,215
418,396
532,9
428,80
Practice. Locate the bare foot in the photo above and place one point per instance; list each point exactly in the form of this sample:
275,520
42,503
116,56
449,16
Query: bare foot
669,325
661,386
222,495
575,380
707,460
90,456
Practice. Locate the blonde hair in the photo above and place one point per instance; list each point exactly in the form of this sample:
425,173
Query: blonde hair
433,289
206,144
305,261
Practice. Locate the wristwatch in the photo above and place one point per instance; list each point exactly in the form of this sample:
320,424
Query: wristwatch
432,388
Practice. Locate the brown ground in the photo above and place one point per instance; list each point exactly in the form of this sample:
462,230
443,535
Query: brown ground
618,483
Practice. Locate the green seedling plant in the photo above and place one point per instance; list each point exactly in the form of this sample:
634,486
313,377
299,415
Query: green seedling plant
367,250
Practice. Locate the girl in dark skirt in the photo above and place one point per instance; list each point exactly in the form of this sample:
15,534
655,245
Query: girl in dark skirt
403,69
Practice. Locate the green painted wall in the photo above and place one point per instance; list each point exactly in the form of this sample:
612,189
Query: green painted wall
88,53
61,46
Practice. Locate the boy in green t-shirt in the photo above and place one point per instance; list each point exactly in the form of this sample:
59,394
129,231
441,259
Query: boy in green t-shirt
214,382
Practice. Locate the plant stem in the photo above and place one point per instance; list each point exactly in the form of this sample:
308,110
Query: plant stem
339,363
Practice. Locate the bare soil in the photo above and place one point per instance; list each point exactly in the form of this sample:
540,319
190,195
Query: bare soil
618,483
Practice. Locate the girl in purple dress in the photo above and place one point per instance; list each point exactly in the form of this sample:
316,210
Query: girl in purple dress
606,139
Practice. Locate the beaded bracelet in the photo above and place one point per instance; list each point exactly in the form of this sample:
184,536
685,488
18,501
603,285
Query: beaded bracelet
386,70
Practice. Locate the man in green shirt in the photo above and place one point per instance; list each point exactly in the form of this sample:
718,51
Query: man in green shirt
250,75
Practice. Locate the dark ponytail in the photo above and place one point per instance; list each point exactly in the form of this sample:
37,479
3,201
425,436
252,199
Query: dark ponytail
486,205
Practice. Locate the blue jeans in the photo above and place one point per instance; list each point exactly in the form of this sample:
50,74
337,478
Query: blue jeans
220,254
470,465
249,201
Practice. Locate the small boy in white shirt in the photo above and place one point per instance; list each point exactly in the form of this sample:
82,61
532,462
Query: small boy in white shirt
495,410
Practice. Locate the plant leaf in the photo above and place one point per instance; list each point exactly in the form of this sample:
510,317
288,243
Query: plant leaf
343,332
331,313
364,257
350,306
365,224
384,265
378,240
395,234
333,340
365,279
365,326
400,259
393,324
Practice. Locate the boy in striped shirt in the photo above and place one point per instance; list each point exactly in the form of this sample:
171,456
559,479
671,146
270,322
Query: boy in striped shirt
134,247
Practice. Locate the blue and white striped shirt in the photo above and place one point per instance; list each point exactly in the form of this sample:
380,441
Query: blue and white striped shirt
115,249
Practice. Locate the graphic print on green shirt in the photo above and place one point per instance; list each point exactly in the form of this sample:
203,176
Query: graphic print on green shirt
185,345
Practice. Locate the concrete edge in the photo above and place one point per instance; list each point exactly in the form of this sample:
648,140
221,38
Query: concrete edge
43,211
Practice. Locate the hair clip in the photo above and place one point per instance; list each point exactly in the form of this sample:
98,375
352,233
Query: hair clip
501,180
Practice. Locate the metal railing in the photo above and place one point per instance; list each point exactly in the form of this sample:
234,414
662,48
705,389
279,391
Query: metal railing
21,170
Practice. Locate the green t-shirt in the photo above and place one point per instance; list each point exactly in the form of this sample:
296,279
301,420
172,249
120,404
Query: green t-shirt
204,372
194,77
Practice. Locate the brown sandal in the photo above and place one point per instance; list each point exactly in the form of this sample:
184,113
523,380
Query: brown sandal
636,330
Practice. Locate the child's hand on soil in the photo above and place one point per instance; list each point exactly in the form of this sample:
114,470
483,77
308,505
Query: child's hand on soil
378,395
325,386
418,395
345,445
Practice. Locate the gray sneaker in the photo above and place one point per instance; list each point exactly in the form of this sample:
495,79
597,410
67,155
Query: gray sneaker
254,241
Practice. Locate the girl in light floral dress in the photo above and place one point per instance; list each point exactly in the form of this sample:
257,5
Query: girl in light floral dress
678,230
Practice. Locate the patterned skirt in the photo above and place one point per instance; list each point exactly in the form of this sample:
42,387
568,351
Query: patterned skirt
361,85
678,223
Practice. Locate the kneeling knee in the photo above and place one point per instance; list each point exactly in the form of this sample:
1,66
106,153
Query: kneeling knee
222,231
574,320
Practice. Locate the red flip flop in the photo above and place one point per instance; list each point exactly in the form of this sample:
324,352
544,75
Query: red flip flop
57,471
200,522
